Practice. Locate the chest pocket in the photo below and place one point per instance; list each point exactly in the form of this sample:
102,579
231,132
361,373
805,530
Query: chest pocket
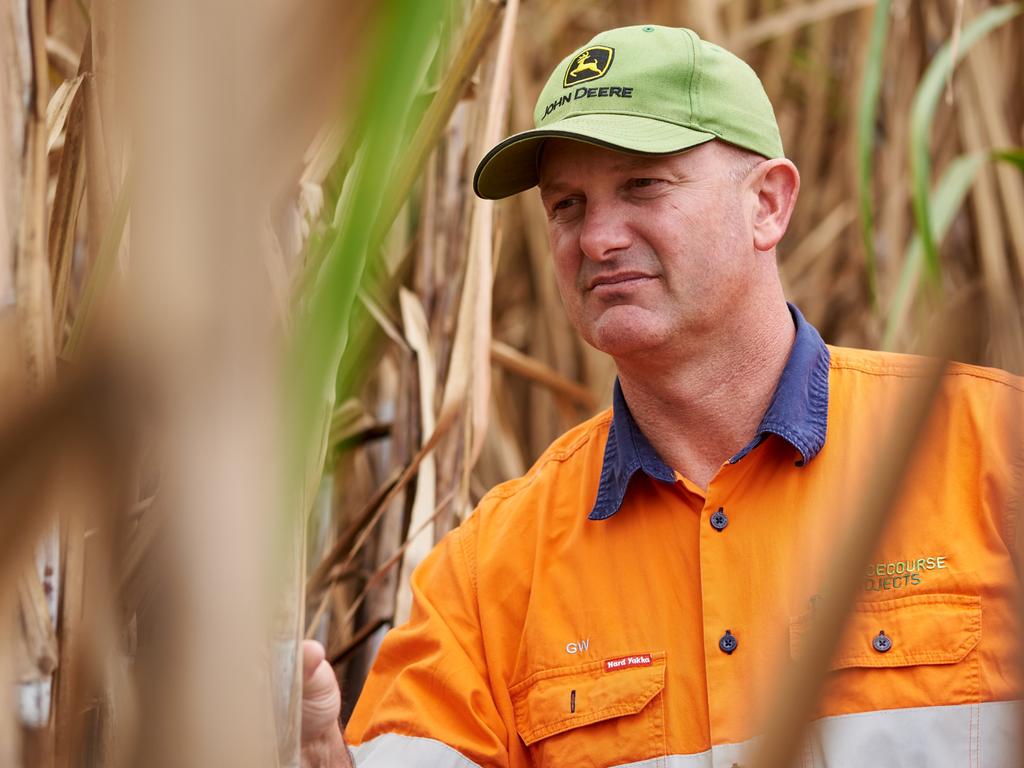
913,651
590,715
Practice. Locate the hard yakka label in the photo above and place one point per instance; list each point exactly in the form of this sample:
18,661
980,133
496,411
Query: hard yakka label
625,662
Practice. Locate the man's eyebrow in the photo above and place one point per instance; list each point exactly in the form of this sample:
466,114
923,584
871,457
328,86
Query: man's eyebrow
626,164
633,162
552,187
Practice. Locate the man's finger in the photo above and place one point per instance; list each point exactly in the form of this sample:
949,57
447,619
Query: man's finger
312,654
321,698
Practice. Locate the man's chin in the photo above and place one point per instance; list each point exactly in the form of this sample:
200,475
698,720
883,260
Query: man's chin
624,340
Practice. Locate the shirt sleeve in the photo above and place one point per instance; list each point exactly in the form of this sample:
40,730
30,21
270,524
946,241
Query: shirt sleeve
1015,493
427,700
1003,467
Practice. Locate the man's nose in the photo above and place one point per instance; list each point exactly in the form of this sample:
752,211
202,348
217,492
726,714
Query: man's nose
605,231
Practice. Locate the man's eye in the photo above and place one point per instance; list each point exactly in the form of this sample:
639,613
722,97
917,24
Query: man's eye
564,205
645,182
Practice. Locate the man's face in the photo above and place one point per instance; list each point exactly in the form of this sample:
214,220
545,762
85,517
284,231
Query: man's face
649,251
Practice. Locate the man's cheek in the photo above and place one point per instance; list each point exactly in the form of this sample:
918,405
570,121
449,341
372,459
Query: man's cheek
568,291
568,275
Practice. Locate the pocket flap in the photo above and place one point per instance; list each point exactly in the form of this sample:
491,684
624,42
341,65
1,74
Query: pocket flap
921,629
555,700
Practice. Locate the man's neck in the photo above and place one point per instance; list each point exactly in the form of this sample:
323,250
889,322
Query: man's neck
700,407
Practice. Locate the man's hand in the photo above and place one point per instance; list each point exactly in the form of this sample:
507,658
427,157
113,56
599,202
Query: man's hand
322,743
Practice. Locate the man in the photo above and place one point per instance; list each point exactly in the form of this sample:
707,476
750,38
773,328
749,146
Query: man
634,598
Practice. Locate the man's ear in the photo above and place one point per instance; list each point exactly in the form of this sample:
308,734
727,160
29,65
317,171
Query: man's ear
776,185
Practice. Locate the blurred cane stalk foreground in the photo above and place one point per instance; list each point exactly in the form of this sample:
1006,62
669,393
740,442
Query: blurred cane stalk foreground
260,347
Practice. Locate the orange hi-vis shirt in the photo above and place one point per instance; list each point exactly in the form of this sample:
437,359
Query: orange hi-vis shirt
603,610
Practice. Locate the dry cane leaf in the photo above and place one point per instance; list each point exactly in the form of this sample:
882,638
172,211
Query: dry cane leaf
67,202
789,20
470,367
39,637
417,333
513,360
58,108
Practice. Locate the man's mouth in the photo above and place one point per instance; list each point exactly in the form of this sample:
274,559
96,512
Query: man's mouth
617,279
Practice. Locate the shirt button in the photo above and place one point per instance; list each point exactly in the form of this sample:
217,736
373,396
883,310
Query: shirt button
882,642
719,520
728,642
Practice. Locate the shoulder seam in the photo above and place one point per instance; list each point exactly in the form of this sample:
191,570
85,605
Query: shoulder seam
507,490
1007,380
954,369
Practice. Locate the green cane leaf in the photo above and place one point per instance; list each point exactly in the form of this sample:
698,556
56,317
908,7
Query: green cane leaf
867,115
926,99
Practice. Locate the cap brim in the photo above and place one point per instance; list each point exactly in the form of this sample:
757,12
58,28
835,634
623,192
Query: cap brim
511,166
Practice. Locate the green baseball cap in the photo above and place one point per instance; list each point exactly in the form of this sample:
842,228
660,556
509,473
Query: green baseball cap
645,89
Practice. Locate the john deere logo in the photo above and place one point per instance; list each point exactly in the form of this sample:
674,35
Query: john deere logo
590,64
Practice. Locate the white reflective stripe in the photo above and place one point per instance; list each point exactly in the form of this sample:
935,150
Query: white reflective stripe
721,756
956,736
696,760
391,750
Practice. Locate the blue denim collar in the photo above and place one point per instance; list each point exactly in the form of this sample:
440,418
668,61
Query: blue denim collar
798,413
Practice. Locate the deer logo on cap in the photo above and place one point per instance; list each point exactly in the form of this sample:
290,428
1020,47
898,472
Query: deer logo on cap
589,64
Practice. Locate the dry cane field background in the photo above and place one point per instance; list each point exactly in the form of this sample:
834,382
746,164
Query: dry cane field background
261,347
